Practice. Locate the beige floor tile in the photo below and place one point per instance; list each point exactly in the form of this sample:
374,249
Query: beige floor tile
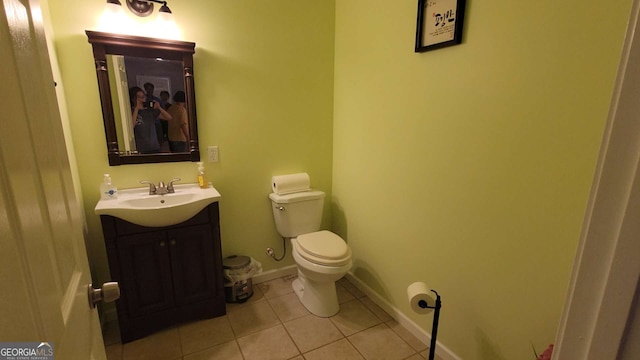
269,344
288,307
225,351
339,350
251,318
407,336
415,357
381,343
351,288
343,294
273,324
311,332
164,345
277,287
377,310
202,334
353,317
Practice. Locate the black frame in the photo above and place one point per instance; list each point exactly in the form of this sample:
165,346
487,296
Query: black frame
457,32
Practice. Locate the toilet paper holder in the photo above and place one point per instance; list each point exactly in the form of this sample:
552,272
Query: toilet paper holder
434,329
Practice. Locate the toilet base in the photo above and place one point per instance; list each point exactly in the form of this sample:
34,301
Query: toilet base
320,299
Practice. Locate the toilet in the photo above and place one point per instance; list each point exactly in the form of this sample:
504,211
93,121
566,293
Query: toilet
322,257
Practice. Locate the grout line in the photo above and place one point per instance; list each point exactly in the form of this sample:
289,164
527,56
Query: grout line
239,348
282,324
291,338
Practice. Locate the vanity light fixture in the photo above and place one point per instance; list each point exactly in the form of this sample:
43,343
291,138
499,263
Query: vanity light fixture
144,7
114,6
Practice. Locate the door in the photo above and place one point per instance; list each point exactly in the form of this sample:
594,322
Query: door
44,270
600,318
144,274
194,263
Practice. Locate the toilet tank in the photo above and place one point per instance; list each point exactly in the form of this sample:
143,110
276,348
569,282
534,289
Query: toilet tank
297,213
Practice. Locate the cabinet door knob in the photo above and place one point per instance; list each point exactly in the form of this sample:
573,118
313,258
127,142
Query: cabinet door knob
162,243
173,242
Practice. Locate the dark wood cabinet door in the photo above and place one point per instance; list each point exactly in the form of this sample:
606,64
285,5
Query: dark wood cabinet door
145,272
167,275
193,263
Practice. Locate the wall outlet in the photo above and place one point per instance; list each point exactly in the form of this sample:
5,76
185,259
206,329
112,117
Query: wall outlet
212,152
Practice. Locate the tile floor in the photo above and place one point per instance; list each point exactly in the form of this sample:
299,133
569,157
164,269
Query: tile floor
272,325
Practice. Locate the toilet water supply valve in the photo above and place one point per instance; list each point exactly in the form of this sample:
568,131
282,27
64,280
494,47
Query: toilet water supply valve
272,252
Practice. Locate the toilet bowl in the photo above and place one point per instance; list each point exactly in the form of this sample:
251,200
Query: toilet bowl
322,258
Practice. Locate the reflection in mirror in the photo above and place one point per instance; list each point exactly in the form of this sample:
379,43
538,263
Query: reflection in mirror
130,71
148,99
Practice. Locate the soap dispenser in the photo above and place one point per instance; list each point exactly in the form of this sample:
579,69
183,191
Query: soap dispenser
202,181
107,189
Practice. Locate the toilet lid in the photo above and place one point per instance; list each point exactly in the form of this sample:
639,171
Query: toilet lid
323,247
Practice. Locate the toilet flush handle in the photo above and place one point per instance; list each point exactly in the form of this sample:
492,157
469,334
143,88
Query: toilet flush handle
281,208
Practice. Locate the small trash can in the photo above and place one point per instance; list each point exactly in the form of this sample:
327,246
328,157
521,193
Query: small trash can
238,271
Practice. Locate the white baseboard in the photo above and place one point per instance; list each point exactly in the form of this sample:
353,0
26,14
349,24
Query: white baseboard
442,351
275,274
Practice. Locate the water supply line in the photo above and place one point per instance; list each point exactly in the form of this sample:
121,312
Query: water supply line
272,253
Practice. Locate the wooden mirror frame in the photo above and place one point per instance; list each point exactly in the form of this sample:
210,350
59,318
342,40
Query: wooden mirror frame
127,45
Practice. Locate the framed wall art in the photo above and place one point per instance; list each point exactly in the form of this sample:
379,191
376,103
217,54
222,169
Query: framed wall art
439,24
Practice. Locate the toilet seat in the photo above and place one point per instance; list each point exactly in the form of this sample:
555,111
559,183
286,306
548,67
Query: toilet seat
323,248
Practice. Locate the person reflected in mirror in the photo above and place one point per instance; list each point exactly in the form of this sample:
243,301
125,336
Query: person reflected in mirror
162,125
178,124
145,114
165,99
149,89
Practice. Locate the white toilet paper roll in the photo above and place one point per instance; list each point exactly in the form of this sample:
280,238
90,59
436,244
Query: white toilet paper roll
420,296
292,183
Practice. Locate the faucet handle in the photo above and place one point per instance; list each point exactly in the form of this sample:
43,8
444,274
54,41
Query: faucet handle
170,186
152,186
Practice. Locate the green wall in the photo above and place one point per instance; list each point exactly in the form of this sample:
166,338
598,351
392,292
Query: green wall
469,167
264,94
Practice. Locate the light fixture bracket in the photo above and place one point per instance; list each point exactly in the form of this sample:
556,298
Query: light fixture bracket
143,8
140,7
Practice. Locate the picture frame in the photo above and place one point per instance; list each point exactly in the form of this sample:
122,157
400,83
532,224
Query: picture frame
439,24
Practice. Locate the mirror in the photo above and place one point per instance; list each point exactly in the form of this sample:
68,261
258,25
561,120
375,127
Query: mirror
141,126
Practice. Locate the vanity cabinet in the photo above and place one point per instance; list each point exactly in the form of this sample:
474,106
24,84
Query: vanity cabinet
167,275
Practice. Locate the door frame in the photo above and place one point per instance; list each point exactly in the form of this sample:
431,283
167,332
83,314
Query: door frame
599,304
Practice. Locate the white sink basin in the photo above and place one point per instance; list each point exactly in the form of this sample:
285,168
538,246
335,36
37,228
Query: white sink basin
138,207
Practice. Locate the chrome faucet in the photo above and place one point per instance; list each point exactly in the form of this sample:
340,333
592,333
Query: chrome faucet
152,187
170,186
161,189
